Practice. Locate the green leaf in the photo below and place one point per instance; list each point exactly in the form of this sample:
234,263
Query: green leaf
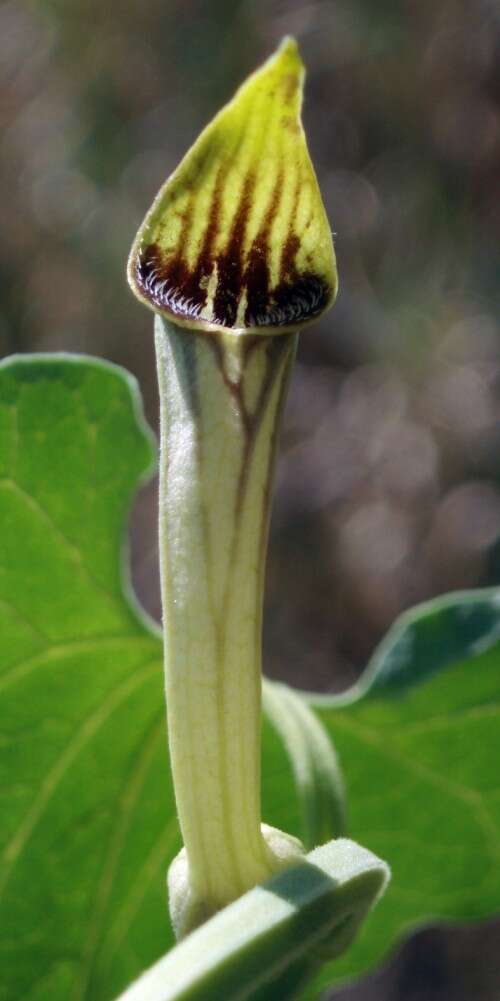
419,743
88,820
88,817
296,919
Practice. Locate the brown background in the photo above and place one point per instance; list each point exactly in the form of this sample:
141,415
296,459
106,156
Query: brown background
389,476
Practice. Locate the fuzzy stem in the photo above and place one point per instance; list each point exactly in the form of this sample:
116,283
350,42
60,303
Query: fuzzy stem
221,400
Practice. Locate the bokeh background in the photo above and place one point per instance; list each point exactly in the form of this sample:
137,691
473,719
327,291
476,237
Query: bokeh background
388,486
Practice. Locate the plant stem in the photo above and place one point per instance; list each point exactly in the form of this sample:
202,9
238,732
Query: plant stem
221,399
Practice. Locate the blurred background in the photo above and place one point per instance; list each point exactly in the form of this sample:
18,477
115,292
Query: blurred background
388,485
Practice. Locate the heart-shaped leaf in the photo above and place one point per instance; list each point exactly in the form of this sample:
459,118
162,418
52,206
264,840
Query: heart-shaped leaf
88,818
419,743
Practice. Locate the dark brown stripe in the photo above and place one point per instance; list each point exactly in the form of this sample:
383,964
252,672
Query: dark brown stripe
230,263
171,286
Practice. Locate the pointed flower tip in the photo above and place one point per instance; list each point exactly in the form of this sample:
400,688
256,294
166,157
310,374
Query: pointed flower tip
288,49
238,238
286,62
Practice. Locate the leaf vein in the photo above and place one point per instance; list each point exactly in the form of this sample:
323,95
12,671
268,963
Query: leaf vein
52,780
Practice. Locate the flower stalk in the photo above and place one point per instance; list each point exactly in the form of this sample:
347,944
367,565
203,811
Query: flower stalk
221,402
235,256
